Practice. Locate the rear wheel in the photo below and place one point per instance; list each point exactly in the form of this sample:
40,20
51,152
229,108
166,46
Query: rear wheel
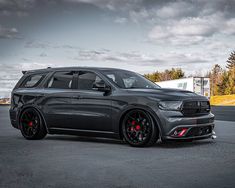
139,129
32,125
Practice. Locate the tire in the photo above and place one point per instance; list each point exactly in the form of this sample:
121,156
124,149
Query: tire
139,129
31,125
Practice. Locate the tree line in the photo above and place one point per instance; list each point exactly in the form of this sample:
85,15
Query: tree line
222,80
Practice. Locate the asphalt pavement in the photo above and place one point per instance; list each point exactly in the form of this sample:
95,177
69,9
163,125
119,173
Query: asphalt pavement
70,161
225,113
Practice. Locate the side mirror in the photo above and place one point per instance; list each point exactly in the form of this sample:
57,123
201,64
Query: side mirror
101,86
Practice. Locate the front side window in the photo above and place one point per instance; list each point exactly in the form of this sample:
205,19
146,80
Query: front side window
86,80
61,80
33,81
128,80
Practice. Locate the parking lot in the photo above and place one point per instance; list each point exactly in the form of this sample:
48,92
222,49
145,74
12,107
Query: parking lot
70,161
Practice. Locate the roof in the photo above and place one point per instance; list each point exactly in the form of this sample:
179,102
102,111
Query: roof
70,68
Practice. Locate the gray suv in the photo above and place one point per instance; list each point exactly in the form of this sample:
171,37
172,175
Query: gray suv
106,102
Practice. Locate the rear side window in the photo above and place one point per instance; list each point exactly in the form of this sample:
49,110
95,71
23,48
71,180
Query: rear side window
61,80
33,81
86,80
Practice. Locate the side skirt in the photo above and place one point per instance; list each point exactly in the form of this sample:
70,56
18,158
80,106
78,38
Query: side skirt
80,132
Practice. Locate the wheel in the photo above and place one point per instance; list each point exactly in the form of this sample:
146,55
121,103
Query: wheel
138,129
31,124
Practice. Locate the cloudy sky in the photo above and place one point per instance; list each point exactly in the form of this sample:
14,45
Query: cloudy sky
139,35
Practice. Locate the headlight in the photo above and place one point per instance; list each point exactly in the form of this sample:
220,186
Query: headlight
170,105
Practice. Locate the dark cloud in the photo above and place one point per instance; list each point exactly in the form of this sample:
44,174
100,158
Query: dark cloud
156,8
193,30
112,5
141,59
18,7
48,45
37,44
67,46
43,55
206,27
8,33
120,20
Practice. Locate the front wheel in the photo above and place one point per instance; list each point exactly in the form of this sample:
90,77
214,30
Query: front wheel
139,129
31,124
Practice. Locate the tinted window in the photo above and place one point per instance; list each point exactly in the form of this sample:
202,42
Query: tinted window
61,80
33,80
86,80
127,79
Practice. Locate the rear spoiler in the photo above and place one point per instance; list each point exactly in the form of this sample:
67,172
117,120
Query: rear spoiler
23,72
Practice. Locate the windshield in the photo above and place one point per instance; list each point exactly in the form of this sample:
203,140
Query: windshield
127,80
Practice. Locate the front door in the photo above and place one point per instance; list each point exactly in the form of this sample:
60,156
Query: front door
92,108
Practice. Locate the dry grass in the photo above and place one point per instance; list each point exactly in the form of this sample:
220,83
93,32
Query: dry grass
224,100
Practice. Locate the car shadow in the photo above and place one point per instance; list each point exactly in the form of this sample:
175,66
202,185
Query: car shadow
159,144
183,144
85,139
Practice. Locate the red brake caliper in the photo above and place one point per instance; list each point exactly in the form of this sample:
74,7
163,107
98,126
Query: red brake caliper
137,127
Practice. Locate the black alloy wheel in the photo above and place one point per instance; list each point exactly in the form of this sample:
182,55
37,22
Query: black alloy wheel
139,129
31,124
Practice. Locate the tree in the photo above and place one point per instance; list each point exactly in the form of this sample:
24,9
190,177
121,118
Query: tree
170,74
231,61
177,73
223,87
231,73
215,80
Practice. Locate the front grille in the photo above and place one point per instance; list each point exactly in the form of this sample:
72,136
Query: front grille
195,108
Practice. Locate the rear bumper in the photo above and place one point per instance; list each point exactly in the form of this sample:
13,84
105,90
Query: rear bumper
13,118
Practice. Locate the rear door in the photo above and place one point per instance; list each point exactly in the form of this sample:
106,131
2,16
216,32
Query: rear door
57,103
91,108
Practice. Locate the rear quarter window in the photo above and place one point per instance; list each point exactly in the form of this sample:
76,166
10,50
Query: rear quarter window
32,80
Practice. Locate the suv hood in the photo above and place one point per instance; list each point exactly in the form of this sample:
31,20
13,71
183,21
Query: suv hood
167,94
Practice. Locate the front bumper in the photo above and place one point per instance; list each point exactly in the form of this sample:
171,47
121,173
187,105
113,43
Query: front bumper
195,132
175,126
